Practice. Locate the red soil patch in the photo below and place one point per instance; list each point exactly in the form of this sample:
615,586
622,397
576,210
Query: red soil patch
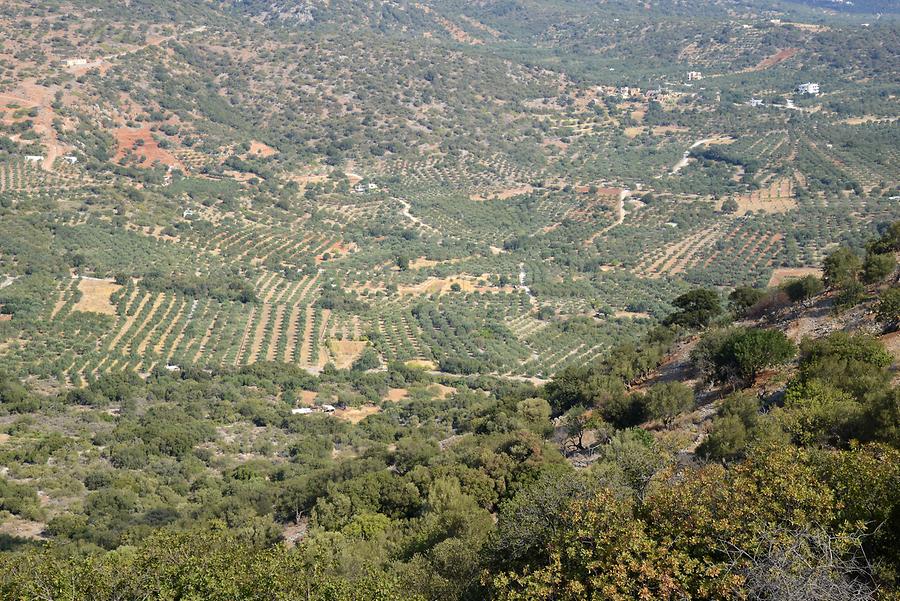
778,57
260,149
142,144
397,394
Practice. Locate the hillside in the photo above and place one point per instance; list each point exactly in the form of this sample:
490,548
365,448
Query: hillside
223,167
442,299
747,453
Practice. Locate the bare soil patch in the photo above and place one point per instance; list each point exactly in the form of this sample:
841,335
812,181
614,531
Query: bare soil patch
305,180
783,274
95,296
445,285
397,394
662,130
354,415
307,397
423,263
774,59
503,194
632,314
20,528
262,150
142,144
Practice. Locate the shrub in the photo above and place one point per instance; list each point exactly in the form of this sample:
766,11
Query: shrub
666,401
878,266
697,308
803,288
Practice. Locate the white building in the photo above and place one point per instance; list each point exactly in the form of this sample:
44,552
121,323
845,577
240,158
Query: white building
695,75
755,102
809,88
33,158
301,411
76,62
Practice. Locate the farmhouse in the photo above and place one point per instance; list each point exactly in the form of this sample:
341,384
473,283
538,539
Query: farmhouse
70,159
809,88
76,62
755,102
33,158
694,75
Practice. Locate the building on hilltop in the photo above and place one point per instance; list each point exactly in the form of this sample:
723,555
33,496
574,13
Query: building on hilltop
809,88
694,75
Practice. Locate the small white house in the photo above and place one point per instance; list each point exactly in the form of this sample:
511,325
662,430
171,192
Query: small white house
70,159
301,411
694,75
756,102
328,408
76,62
33,158
809,88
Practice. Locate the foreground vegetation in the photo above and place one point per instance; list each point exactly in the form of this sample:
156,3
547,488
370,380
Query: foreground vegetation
775,476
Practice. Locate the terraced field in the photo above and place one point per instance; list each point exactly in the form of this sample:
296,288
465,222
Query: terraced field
440,200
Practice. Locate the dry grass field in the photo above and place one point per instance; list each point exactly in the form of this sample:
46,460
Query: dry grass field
95,296
781,275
